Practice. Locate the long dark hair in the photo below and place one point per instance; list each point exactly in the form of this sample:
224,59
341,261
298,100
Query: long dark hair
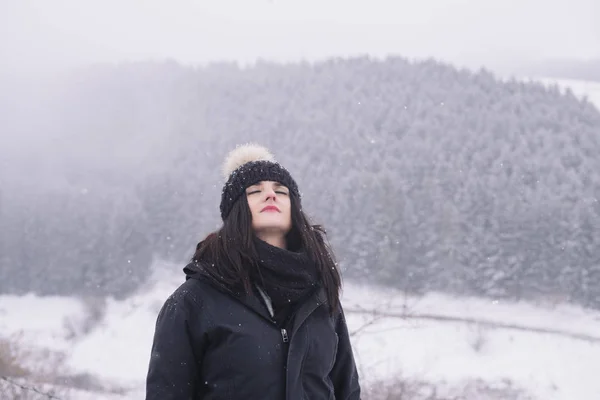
231,250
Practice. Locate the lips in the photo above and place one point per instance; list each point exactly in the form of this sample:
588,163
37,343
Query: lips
270,209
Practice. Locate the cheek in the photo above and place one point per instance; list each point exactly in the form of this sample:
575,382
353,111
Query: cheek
288,213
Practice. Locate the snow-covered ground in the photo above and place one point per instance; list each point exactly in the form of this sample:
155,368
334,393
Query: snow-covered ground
449,354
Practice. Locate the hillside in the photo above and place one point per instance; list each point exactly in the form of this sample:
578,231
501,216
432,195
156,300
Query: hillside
429,178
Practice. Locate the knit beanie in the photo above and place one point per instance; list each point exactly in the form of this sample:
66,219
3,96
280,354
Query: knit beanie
247,165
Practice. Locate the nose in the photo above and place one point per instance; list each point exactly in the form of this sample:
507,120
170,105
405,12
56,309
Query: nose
270,193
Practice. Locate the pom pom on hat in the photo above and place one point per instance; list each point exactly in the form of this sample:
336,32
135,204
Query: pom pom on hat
244,154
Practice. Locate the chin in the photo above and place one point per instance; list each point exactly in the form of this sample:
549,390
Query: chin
271,225
272,228
271,222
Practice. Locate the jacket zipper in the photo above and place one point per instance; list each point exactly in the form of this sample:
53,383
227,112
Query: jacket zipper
284,335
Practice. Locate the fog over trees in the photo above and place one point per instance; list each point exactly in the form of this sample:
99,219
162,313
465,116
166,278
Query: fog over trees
428,177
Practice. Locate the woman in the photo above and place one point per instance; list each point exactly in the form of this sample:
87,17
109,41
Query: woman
259,315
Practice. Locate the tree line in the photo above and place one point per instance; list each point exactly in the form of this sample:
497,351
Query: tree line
428,177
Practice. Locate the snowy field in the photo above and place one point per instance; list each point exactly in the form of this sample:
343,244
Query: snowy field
449,354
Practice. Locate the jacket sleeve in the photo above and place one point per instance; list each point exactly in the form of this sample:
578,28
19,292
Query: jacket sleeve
174,365
344,374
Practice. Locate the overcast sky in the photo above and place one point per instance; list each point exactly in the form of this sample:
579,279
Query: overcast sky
59,33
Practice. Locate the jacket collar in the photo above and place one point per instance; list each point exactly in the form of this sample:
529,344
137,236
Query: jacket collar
306,307
252,302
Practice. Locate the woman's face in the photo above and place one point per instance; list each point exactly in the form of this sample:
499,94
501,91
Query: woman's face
270,206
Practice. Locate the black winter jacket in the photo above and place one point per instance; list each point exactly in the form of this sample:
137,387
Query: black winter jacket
211,345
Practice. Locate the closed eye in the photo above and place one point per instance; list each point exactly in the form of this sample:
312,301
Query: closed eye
258,191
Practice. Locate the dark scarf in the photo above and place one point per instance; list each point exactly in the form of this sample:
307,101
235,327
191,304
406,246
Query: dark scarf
286,276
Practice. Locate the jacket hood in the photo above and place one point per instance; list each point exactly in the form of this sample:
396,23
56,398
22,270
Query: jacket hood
198,270
195,270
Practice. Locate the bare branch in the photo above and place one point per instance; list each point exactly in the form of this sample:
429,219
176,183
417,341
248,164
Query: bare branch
47,395
481,322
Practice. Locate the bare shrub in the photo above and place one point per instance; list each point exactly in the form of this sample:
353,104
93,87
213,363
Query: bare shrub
38,374
402,389
27,375
503,390
413,389
11,357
